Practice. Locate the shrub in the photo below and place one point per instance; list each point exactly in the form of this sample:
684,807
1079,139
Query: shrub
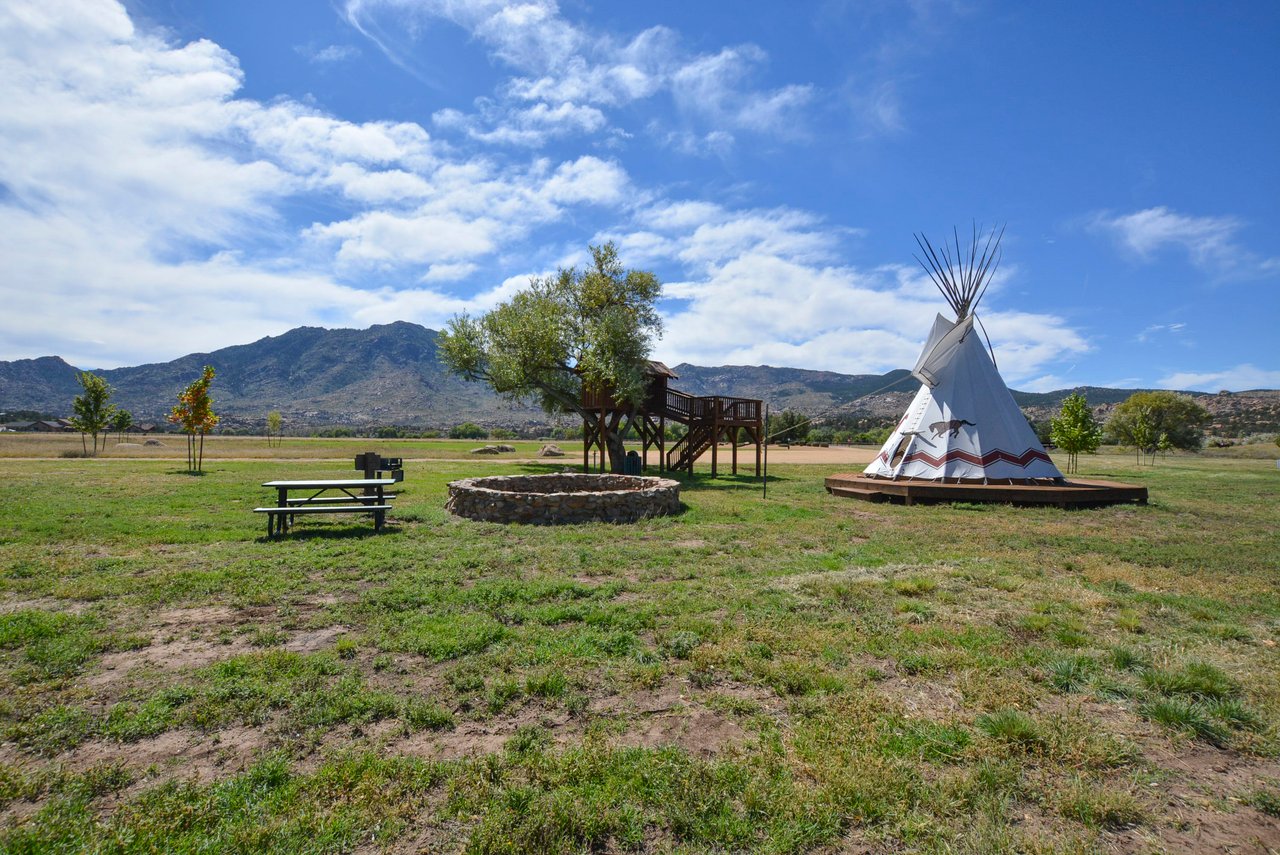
468,430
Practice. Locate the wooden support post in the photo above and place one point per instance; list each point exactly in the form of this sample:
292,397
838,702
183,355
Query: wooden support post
644,441
759,435
715,436
733,435
662,443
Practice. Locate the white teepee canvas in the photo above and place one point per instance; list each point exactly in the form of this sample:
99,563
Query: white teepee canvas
963,423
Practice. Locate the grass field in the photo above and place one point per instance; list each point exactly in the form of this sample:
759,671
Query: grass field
792,674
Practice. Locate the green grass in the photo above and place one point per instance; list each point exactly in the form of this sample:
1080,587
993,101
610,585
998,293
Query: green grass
763,675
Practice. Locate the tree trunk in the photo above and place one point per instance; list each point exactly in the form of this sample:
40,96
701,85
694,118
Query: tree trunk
594,424
617,451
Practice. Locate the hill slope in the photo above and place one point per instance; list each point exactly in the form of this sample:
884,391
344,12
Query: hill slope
392,374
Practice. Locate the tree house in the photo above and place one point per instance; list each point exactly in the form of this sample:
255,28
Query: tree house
710,421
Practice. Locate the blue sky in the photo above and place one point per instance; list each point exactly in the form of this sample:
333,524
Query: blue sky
178,176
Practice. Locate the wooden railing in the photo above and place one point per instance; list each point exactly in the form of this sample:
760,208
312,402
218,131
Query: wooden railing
687,408
696,409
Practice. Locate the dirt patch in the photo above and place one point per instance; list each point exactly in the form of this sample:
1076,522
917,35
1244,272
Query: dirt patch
43,604
1200,803
644,702
315,640
183,754
1197,804
489,737
171,656
670,715
190,638
698,731
930,698
425,833
809,454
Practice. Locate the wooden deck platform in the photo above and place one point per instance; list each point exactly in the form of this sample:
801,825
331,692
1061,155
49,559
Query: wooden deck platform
1076,493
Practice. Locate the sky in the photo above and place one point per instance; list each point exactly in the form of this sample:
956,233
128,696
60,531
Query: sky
178,176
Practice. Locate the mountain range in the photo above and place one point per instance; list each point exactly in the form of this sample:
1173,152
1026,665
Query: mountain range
391,374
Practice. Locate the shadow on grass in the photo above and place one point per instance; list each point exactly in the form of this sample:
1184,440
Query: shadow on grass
334,533
700,481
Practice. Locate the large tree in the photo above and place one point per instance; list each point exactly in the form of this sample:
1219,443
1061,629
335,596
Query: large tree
1074,429
91,412
1152,421
577,329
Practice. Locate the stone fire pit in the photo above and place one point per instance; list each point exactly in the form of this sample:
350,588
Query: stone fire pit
563,498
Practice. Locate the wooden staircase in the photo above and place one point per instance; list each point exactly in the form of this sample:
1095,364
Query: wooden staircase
690,447
711,420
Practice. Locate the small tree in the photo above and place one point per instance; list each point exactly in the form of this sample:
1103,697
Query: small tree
274,426
1074,429
91,412
580,329
194,412
121,422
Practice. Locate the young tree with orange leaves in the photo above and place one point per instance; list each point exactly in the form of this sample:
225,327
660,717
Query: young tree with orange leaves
194,411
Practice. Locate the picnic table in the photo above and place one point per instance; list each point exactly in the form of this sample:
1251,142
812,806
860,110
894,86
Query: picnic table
327,496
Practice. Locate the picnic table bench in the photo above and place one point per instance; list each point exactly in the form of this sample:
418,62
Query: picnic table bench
371,500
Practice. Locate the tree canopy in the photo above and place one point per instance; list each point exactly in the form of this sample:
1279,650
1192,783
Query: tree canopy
1074,429
1151,421
578,329
788,426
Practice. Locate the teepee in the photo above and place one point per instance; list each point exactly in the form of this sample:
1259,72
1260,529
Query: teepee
963,424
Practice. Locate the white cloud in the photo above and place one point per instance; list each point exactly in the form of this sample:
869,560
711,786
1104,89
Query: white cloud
144,204
1156,330
329,54
570,72
713,87
587,179
390,239
1210,242
532,126
449,272
763,309
1240,378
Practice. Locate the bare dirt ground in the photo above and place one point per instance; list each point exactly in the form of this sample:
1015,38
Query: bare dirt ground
859,455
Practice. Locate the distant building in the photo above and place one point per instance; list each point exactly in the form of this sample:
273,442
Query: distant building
43,426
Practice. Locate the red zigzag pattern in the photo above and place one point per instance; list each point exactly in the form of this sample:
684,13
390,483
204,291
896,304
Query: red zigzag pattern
1022,460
